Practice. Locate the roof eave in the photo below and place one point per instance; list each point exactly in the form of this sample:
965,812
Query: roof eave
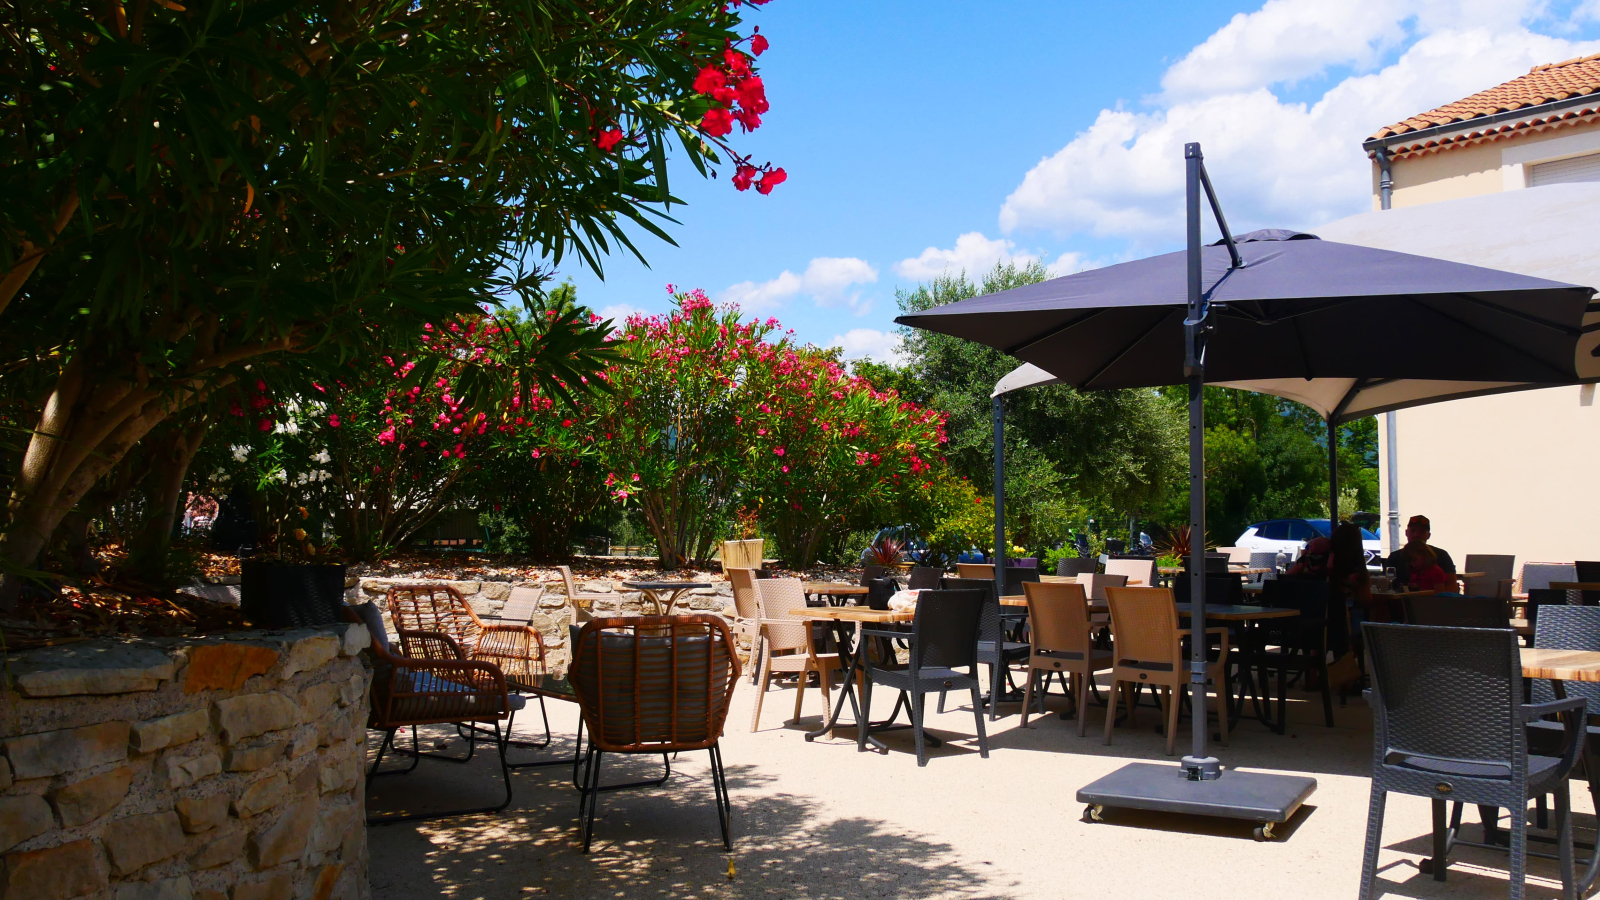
1372,145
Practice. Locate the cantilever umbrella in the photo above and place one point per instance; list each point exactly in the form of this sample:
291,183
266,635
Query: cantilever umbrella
1270,305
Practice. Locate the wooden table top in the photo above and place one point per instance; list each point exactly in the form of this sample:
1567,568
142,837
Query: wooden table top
1232,570
1221,612
1561,665
665,585
852,614
836,588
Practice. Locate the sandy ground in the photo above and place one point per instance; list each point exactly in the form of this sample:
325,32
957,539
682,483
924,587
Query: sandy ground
819,820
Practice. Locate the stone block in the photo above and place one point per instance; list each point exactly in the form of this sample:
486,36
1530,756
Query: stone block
278,887
222,848
596,587
333,730
55,752
169,731
210,894
84,801
303,743
285,839
553,601
466,588
339,775
353,690
311,651
495,590
23,817
251,714
305,781
91,667
333,821
262,796
376,585
5,773
226,667
166,889
317,700
241,758
184,772
322,888
356,639
57,873
198,814
138,841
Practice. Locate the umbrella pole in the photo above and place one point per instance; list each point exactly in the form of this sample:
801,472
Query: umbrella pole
1333,477
1198,764
999,496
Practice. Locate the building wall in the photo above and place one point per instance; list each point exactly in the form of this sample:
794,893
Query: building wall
1500,474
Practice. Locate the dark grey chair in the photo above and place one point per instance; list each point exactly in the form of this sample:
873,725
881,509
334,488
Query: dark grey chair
1588,572
1562,627
868,573
925,578
1076,565
1016,576
943,638
1300,642
1453,611
1449,724
994,650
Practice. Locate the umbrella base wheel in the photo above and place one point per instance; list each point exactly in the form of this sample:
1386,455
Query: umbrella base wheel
1094,813
1263,832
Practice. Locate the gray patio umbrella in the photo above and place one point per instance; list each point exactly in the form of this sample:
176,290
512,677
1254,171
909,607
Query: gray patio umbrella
1271,305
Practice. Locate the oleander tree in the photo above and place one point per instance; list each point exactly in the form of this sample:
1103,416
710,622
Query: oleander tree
196,194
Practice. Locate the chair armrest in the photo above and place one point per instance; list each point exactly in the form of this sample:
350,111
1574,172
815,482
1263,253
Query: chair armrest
1540,710
432,645
530,631
1574,727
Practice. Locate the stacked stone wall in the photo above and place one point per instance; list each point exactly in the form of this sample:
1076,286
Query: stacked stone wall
214,768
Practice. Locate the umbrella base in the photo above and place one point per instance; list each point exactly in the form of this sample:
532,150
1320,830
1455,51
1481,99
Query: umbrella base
1257,796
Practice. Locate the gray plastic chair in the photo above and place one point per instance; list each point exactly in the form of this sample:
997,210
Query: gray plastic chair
924,578
1076,565
994,650
1561,627
1449,725
1262,561
1497,568
943,638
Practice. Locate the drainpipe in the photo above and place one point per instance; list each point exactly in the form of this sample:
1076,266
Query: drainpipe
1391,446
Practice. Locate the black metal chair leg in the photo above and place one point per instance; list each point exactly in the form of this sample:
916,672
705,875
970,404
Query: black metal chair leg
719,783
591,794
505,774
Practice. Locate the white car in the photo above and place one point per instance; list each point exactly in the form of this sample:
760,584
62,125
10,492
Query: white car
1289,537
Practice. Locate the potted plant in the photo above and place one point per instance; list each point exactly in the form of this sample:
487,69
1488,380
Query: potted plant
745,551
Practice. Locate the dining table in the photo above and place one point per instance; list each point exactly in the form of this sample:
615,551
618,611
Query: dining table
844,620
652,591
836,593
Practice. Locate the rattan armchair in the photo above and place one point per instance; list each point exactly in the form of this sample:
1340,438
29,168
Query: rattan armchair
434,683
654,684
1062,643
788,645
1149,651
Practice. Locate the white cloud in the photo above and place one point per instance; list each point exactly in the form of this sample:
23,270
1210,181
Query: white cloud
829,281
868,343
619,313
1275,163
973,254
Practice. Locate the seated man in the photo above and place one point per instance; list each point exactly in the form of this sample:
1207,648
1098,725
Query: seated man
1412,562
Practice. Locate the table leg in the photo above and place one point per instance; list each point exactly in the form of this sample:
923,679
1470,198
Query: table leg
852,662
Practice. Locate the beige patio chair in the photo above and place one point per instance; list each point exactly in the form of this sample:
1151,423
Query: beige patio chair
520,606
1497,570
786,644
1237,556
1149,650
1139,572
975,570
746,612
1095,585
1062,642
579,601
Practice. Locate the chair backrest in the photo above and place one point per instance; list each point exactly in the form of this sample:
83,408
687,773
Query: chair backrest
1016,577
1221,590
1445,693
975,570
1537,575
1096,585
879,591
925,578
654,683
1268,560
523,603
1587,571
1562,627
437,608
744,592
989,625
1142,570
580,613
946,628
1058,618
1234,554
1495,568
1319,626
776,596
1075,565
868,573
1459,612
1144,628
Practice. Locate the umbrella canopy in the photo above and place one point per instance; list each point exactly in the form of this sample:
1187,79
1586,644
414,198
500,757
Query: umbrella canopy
1300,309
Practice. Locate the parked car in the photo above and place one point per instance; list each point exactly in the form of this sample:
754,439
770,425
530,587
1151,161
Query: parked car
1289,536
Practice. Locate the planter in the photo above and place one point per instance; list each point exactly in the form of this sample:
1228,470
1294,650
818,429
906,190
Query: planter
277,595
742,554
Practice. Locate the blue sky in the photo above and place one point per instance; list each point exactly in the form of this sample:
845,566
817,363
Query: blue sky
925,137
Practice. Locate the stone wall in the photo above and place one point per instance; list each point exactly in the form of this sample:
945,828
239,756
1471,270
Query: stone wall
555,614
212,768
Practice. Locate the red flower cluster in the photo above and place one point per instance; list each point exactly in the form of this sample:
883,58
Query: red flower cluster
738,95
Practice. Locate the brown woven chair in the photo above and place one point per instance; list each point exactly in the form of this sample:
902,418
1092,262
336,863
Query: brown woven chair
1062,644
517,650
787,645
434,683
654,684
1148,650
975,570
746,612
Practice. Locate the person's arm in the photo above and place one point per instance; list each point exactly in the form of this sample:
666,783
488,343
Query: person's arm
1445,562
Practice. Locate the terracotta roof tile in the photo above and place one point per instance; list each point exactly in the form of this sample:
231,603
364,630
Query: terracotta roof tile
1543,84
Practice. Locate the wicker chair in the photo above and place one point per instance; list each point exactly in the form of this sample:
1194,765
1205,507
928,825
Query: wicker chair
975,570
520,607
925,578
580,601
787,645
1457,612
654,684
994,650
1497,569
434,683
1062,643
1149,650
746,612
1069,566
1450,726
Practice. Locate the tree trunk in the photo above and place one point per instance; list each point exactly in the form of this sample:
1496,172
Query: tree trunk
172,453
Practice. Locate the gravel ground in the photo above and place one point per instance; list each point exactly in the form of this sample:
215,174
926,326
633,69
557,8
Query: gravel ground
822,821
